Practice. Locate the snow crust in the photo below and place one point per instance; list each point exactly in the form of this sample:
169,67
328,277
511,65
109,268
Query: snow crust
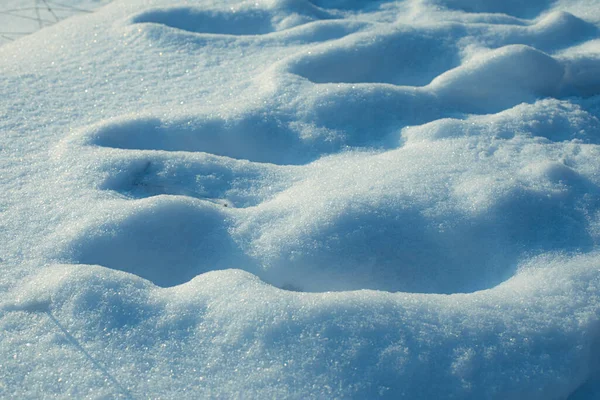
303,199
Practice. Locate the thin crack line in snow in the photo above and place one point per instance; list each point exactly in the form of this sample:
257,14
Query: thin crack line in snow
96,363
50,10
48,6
69,7
11,14
37,14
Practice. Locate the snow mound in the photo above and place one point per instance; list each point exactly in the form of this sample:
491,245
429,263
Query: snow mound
303,199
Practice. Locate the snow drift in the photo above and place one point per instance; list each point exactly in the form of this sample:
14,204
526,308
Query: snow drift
303,199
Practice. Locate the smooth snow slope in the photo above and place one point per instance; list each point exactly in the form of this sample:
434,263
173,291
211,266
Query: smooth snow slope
303,199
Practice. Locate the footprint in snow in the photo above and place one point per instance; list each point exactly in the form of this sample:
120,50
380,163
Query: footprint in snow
208,193
297,21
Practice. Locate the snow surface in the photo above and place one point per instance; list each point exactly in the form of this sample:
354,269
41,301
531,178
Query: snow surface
303,199
23,17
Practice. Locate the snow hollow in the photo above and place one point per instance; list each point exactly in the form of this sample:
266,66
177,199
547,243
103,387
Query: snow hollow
303,199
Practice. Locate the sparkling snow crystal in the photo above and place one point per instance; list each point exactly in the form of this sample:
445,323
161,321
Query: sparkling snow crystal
302,199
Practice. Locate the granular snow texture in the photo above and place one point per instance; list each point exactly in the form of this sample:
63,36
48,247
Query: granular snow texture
303,199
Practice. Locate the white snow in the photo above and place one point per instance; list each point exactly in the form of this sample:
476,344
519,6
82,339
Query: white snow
303,199
23,17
